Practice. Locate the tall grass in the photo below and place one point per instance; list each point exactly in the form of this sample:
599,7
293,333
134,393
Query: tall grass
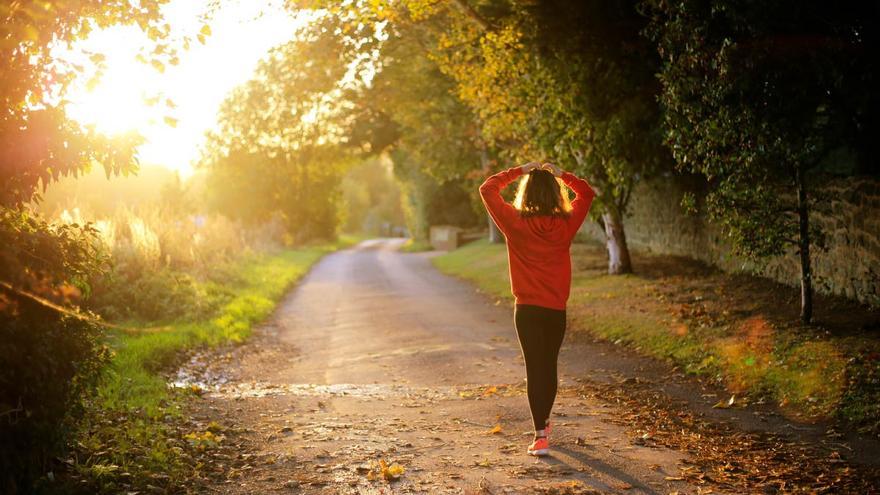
162,261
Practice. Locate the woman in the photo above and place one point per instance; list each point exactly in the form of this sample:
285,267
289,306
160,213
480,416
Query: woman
539,228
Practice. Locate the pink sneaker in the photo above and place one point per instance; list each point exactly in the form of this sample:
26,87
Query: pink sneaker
540,447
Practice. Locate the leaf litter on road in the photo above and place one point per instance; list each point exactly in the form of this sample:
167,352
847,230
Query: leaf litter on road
721,455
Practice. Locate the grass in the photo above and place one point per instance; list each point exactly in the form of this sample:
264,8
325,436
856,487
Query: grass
130,432
738,330
413,246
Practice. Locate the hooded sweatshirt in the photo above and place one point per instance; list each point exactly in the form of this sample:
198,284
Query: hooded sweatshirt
538,246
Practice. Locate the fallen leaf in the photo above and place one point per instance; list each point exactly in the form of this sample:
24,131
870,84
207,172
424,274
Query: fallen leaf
387,472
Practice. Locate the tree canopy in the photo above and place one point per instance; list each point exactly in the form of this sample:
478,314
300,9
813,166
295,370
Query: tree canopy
757,96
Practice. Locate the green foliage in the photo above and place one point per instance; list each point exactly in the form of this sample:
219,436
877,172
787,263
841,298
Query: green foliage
161,259
40,257
756,95
427,201
50,362
154,296
571,82
434,128
372,199
438,155
278,149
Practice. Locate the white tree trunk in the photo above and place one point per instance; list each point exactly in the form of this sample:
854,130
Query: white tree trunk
495,236
615,243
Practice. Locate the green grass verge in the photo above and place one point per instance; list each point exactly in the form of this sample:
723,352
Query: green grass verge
127,436
413,246
811,373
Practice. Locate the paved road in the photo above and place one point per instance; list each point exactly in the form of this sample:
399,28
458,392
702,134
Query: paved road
377,356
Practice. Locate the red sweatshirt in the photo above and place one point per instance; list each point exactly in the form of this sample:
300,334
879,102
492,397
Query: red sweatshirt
538,246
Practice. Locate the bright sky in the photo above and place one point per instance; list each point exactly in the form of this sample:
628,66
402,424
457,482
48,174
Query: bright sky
242,32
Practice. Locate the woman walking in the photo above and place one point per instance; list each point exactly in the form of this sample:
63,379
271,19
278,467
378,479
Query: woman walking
539,228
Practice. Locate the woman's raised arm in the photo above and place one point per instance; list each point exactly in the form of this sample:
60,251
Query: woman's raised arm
503,213
581,204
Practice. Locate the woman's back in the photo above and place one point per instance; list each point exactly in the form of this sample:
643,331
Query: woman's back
538,245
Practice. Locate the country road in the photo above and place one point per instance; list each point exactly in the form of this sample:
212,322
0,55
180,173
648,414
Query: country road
377,356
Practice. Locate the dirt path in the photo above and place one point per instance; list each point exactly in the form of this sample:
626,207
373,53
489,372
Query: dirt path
378,357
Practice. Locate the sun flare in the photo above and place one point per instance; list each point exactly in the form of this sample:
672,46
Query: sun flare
173,108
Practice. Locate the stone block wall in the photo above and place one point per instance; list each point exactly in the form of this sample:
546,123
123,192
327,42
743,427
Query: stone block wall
850,219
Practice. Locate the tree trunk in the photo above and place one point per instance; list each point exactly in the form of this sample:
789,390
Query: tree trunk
495,236
804,248
615,242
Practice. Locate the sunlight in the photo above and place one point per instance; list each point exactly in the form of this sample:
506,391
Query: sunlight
174,108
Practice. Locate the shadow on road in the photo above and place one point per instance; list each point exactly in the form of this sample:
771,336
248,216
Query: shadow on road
583,459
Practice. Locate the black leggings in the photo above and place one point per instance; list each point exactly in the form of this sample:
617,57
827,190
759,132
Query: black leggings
540,331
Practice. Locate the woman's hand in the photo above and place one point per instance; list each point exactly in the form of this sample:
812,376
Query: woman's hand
552,169
528,167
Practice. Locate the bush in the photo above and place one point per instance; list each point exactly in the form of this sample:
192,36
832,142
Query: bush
161,295
50,361
158,258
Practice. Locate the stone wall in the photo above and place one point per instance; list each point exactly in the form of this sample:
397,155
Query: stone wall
849,266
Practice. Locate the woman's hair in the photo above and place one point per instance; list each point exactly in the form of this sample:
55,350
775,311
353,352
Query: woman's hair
541,193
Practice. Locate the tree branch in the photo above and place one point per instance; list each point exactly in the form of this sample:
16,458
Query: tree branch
474,15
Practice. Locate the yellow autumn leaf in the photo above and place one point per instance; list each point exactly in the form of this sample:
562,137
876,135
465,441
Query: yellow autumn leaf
386,471
724,404
495,429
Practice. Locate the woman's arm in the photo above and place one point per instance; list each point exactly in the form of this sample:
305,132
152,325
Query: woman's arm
581,204
504,214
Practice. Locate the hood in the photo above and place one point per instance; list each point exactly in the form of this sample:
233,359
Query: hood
546,227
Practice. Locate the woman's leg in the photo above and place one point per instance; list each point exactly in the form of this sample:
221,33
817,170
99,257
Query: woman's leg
540,332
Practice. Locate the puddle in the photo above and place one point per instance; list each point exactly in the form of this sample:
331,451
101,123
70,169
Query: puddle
206,371
355,390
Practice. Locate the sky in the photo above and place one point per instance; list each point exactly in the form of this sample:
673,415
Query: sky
242,32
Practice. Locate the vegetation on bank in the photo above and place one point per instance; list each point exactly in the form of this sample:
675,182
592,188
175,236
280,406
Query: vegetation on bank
413,245
737,330
128,435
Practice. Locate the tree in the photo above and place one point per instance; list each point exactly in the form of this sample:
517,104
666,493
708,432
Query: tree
756,95
49,357
37,141
279,145
408,110
436,148
567,81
